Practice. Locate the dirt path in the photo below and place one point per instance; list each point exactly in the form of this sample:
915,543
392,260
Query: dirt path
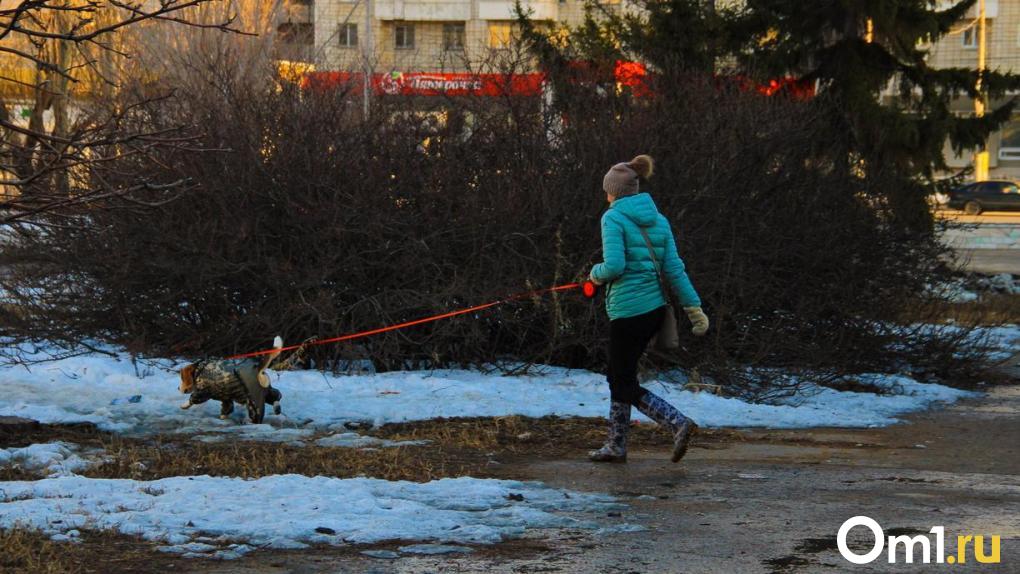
775,502
763,501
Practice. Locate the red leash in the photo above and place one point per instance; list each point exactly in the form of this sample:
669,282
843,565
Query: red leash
588,288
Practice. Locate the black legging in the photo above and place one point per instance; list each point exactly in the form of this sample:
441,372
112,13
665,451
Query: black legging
628,339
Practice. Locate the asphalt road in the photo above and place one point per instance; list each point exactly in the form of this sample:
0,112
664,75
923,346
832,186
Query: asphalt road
989,261
970,255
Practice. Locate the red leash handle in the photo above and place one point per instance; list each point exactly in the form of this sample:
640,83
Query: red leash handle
525,295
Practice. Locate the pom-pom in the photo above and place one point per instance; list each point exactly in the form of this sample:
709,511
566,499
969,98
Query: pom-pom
643,165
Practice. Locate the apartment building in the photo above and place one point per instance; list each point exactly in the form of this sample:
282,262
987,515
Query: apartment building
424,35
960,49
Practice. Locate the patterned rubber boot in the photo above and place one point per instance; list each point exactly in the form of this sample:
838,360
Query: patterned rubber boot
682,428
615,449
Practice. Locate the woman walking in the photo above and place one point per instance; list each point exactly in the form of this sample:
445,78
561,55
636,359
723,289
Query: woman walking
636,303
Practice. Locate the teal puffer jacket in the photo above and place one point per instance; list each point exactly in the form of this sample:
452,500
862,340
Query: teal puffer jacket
628,270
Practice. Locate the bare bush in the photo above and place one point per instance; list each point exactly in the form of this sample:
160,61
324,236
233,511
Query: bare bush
311,220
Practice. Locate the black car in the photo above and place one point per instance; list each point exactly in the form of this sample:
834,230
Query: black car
981,196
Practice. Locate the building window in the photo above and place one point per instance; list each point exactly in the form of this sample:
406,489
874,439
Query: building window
500,34
347,36
970,38
453,36
1009,143
404,36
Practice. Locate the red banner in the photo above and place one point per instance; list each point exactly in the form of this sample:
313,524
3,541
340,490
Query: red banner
432,84
632,75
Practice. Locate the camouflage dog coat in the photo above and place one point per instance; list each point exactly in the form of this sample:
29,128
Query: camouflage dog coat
234,381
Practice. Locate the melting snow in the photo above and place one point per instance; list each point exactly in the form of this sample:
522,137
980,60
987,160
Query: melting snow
110,392
84,389
48,459
226,517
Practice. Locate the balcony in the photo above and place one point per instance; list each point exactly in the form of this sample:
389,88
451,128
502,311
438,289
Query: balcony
503,10
419,11
991,8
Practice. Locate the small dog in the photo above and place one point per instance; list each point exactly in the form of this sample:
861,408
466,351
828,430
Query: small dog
228,381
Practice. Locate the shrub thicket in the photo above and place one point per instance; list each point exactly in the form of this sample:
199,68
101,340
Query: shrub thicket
309,220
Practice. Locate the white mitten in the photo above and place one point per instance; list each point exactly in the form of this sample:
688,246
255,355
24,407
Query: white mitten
699,320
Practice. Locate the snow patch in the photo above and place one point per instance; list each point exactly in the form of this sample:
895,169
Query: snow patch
355,440
48,459
970,288
217,517
109,392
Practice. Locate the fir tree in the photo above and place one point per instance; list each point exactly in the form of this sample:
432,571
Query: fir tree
853,50
826,43
668,36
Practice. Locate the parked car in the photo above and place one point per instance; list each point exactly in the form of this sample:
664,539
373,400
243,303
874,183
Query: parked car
976,197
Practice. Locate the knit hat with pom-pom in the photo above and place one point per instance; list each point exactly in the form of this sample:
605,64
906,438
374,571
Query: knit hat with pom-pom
622,178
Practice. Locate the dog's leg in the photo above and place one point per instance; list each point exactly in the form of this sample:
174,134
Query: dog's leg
226,408
196,398
255,415
274,397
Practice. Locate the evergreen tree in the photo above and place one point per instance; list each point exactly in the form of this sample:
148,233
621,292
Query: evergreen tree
827,193
853,50
676,35
826,43
668,36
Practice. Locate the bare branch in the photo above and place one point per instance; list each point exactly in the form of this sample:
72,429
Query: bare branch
68,159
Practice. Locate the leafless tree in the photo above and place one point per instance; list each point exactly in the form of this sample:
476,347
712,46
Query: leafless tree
54,156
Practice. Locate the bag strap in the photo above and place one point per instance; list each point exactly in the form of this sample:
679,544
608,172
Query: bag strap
663,285
658,268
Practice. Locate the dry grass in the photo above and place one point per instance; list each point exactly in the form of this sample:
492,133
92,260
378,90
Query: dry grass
161,457
457,447
16,436
150,460
990,309
541,437
9,473
31,552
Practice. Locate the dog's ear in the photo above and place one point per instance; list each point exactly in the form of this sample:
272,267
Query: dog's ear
188,379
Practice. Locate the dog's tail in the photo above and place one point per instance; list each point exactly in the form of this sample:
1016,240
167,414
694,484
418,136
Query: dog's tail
267,359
